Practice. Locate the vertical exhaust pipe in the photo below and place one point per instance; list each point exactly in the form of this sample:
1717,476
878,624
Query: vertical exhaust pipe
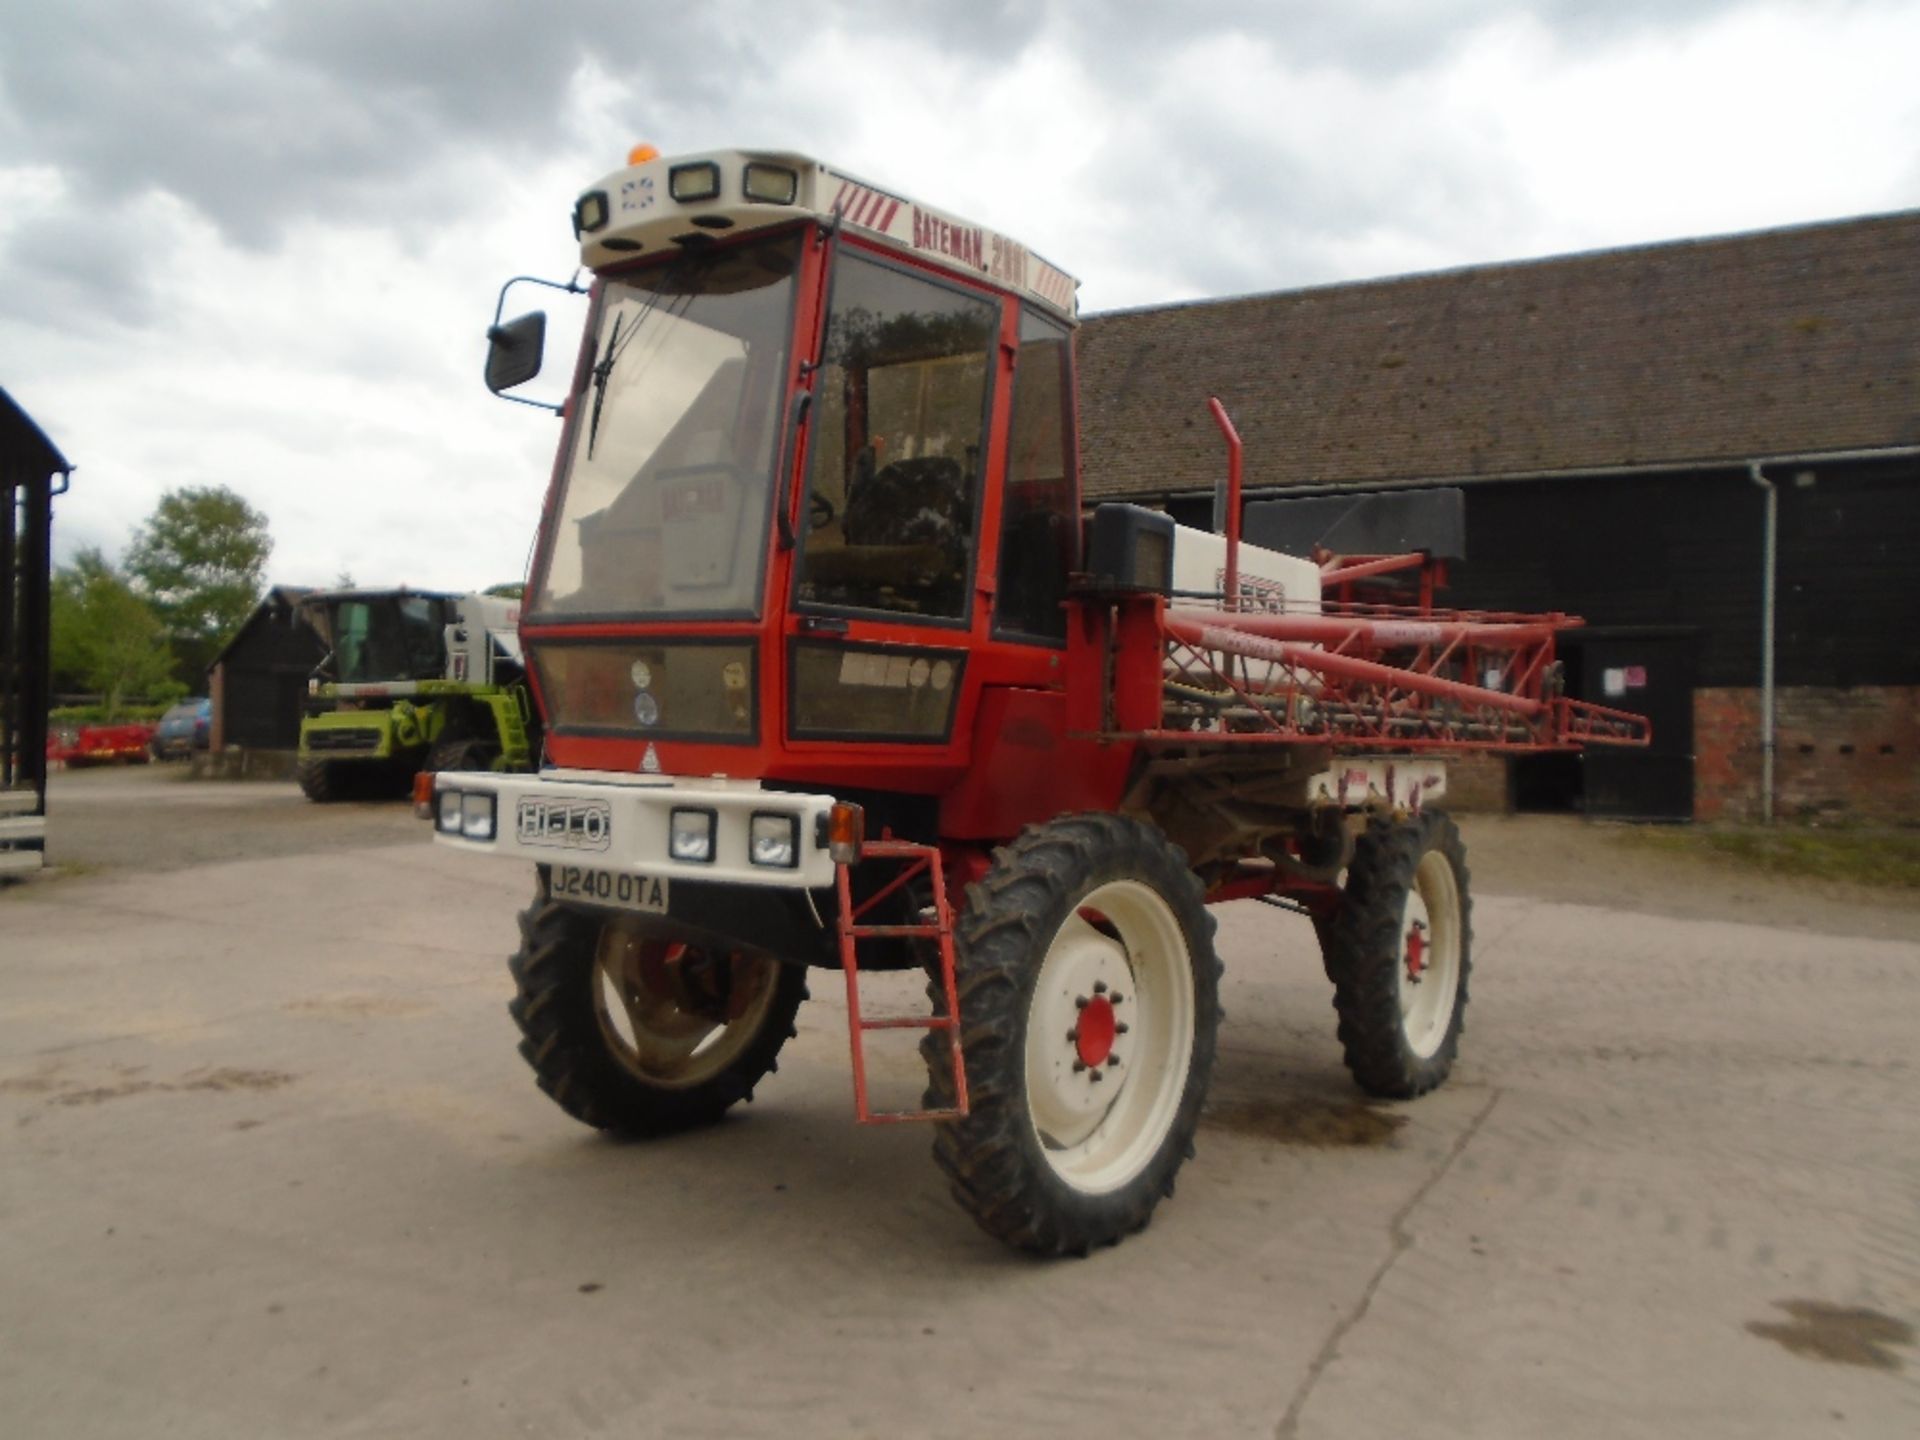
1226,502
1767,585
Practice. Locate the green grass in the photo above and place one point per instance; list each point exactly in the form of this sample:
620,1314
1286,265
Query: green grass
1886,859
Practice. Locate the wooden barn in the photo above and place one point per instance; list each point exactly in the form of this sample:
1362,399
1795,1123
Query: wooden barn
1710,450
32,473
258,681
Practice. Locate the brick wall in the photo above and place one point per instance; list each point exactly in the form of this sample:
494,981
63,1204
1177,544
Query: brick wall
1479,784
1852,753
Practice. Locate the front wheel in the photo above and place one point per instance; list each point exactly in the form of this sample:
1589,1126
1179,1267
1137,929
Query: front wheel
1399,952
636,1035
1089,996
321,781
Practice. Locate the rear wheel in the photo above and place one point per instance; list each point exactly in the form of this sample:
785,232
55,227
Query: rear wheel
1089,992
635,1035
1399,952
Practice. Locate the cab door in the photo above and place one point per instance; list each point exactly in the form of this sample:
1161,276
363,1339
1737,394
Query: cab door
900,470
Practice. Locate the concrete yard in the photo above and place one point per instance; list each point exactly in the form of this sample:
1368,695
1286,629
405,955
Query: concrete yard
270,1167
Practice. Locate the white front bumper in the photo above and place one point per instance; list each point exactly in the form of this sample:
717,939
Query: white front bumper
619,824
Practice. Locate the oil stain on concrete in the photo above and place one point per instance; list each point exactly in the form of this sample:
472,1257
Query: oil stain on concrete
1842,1334
60,1089
359,1007
1303,1120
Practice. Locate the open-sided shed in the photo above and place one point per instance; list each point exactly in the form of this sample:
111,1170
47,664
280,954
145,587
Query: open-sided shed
32,472
258,681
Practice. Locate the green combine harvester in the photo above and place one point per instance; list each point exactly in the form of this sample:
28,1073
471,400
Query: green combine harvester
413,680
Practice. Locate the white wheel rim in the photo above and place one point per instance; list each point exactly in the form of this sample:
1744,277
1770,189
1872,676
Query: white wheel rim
658,1035
1126,1004
1429,959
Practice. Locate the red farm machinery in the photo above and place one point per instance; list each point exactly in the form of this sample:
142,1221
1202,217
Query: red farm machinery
836,674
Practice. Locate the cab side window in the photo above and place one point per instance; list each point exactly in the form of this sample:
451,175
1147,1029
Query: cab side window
1038,534
898,443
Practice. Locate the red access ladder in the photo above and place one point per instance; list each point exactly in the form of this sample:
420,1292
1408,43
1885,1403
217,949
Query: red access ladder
916,860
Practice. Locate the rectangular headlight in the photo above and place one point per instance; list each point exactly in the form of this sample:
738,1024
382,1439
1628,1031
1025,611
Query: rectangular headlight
774,840
476,814
590,213
690,836
771,184
690,183
448,820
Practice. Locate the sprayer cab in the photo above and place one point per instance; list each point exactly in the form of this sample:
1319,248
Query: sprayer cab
816,487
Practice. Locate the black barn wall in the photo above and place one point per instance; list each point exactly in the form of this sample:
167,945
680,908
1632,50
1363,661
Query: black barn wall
1684,551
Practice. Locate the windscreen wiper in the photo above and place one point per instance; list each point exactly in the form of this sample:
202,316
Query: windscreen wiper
616,346
601,372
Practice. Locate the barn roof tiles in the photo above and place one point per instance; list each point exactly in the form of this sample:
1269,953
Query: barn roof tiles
1777,342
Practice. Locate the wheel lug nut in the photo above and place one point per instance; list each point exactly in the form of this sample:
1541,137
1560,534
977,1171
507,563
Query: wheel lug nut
1119,1029
1080,1065
1080,1002
1099,987
1096,1077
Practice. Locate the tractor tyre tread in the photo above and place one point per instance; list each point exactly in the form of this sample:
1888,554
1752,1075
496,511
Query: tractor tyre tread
321,781
991,1157
553,1005
1361,949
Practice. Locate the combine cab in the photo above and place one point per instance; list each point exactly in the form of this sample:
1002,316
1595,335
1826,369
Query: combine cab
413,681
835,674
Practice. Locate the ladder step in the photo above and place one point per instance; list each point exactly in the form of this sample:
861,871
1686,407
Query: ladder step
894,1117
919,860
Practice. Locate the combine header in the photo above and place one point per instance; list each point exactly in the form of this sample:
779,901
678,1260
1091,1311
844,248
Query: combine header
835,674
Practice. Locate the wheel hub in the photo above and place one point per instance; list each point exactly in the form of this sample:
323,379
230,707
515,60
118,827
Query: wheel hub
1416,950
1093,1037
1430,954
1109,1035
674,1014
1088,985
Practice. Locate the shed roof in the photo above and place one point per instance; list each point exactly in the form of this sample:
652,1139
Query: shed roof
25,451
280,601
1778,342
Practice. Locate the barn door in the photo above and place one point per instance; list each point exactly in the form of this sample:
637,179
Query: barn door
1652,675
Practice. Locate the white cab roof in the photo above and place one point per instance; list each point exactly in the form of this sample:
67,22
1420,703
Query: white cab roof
641,217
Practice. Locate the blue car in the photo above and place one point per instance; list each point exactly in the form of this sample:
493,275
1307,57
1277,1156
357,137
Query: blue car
185,728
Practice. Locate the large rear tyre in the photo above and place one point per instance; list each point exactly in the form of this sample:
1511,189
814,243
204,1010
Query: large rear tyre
1399,952
321,781
638,1036
1089,996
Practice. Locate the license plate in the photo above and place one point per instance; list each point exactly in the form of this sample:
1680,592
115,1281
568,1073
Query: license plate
646,893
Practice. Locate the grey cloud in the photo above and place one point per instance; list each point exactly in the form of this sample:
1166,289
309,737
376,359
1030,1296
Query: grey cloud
1361,37
264,116
261,116
61,275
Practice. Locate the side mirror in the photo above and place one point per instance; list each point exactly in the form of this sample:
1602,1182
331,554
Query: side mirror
514,351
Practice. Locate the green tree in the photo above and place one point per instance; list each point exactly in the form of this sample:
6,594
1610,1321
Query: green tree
201,558
105,635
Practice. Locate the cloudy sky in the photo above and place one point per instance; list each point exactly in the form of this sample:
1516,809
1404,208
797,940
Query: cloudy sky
257,242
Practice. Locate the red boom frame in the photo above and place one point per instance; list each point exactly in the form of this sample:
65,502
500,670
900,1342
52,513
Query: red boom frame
1358,676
